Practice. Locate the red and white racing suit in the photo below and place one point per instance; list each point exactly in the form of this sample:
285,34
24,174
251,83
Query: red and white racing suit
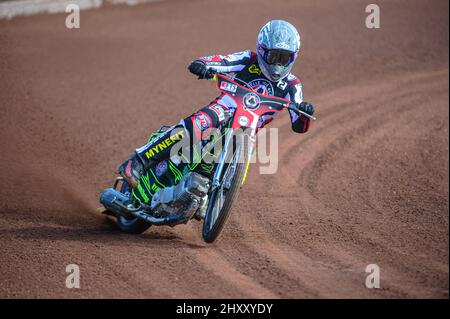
241,66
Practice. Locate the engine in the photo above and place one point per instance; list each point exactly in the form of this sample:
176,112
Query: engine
186,197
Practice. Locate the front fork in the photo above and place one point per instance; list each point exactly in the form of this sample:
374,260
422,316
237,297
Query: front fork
225,154
218,173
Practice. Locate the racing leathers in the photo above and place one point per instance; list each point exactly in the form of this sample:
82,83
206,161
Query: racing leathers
243,68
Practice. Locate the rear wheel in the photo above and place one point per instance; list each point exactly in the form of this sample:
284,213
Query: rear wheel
223,197
132,225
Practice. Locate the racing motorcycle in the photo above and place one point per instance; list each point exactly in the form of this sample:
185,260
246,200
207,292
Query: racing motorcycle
172,192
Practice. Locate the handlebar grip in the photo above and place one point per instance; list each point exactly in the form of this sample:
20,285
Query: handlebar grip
292,107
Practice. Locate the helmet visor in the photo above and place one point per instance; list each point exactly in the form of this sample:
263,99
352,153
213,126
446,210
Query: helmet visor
279,57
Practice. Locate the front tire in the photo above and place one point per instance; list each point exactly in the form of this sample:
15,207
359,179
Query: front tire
216,216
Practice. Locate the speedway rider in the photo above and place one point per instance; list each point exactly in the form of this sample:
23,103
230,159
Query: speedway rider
267,71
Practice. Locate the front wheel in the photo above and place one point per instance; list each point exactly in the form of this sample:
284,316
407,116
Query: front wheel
223,197
132,225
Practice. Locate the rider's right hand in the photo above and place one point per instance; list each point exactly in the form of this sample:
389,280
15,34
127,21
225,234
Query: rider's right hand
199,68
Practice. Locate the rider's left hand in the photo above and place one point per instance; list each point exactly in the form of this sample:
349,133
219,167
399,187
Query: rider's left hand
306,107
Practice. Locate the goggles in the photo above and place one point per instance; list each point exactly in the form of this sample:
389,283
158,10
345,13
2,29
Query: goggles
279,57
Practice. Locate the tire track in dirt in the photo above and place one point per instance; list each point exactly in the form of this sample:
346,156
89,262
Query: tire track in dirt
372,235
287,258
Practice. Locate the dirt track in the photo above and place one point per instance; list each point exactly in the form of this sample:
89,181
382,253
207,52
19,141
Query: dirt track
368,183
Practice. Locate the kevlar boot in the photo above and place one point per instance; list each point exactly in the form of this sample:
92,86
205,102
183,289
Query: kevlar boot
131,170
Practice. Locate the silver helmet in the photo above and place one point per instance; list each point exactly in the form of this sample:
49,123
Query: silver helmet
277,48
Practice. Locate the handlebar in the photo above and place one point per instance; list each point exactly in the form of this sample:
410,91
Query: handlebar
212,74
298,112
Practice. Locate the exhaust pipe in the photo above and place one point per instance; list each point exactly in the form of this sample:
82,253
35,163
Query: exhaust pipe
116,202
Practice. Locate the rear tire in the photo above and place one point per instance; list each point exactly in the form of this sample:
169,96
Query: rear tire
131,225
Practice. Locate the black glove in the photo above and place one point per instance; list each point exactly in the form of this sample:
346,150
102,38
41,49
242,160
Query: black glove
306,107
199,68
